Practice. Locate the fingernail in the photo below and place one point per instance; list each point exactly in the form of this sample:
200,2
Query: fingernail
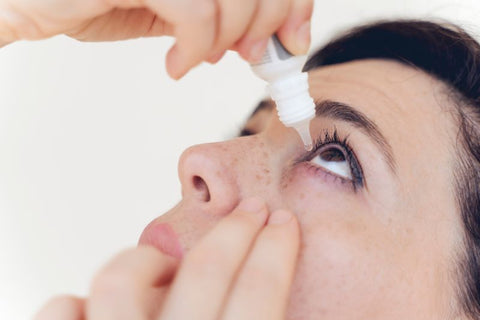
253,205
279,217
303,37
257,50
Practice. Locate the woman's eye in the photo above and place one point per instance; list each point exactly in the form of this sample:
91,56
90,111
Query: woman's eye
333,159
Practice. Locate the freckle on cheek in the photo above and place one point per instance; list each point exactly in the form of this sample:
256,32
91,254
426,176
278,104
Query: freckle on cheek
290,179
286,181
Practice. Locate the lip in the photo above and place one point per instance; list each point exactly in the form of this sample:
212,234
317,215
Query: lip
162,237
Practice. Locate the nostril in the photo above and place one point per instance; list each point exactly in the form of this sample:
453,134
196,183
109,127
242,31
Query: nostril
201,186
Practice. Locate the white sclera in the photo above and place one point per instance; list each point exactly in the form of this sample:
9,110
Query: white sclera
340,168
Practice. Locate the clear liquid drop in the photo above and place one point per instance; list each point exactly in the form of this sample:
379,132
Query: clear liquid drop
303,129
308,147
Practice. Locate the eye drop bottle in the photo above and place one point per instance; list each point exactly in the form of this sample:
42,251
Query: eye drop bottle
288,87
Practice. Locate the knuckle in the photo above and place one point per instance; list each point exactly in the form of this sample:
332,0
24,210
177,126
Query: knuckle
264,27
275,14
229,33
275,19
204,10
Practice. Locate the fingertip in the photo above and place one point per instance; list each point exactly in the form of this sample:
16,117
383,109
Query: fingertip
296,40
285,220
175,63
303,37
214,58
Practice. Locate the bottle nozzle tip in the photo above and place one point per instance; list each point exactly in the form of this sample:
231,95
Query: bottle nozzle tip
304,132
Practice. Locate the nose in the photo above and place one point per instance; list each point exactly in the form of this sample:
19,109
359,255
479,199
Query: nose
207,178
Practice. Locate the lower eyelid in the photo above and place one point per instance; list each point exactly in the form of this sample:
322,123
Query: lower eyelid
334,167
325,175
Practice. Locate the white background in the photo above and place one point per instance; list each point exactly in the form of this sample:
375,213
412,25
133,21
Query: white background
90,134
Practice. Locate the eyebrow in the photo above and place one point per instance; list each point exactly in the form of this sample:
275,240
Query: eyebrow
343,112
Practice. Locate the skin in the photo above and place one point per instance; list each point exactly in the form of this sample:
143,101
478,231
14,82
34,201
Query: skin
383,251
204,29
386,252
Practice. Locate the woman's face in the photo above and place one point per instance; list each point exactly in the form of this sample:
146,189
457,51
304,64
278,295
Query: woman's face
374,199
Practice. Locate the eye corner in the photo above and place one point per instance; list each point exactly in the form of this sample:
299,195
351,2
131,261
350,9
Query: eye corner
246,132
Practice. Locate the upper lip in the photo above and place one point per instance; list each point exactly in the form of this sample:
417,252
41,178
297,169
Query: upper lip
163,237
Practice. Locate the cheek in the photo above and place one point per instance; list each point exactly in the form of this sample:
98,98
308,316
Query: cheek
349,263
343,273
313,192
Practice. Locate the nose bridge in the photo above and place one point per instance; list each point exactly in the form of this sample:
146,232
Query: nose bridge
217,176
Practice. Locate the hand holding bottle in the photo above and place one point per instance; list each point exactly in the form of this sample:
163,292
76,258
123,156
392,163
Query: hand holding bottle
204,29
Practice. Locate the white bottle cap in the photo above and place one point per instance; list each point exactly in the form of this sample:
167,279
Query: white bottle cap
288,87
292,98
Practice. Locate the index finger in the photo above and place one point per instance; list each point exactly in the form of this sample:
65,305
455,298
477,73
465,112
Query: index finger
194,23
262,289
208,270
295,32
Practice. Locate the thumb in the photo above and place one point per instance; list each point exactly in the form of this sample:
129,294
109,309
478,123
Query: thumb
295,32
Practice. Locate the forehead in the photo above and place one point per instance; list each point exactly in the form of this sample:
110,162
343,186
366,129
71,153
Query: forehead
382,89
410,108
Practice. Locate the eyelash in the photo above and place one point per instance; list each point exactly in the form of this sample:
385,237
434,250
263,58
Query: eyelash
328,139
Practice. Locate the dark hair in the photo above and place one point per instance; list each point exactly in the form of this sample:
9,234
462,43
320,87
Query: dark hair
449,54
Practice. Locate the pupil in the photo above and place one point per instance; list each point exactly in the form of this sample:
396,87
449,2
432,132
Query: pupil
333,154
